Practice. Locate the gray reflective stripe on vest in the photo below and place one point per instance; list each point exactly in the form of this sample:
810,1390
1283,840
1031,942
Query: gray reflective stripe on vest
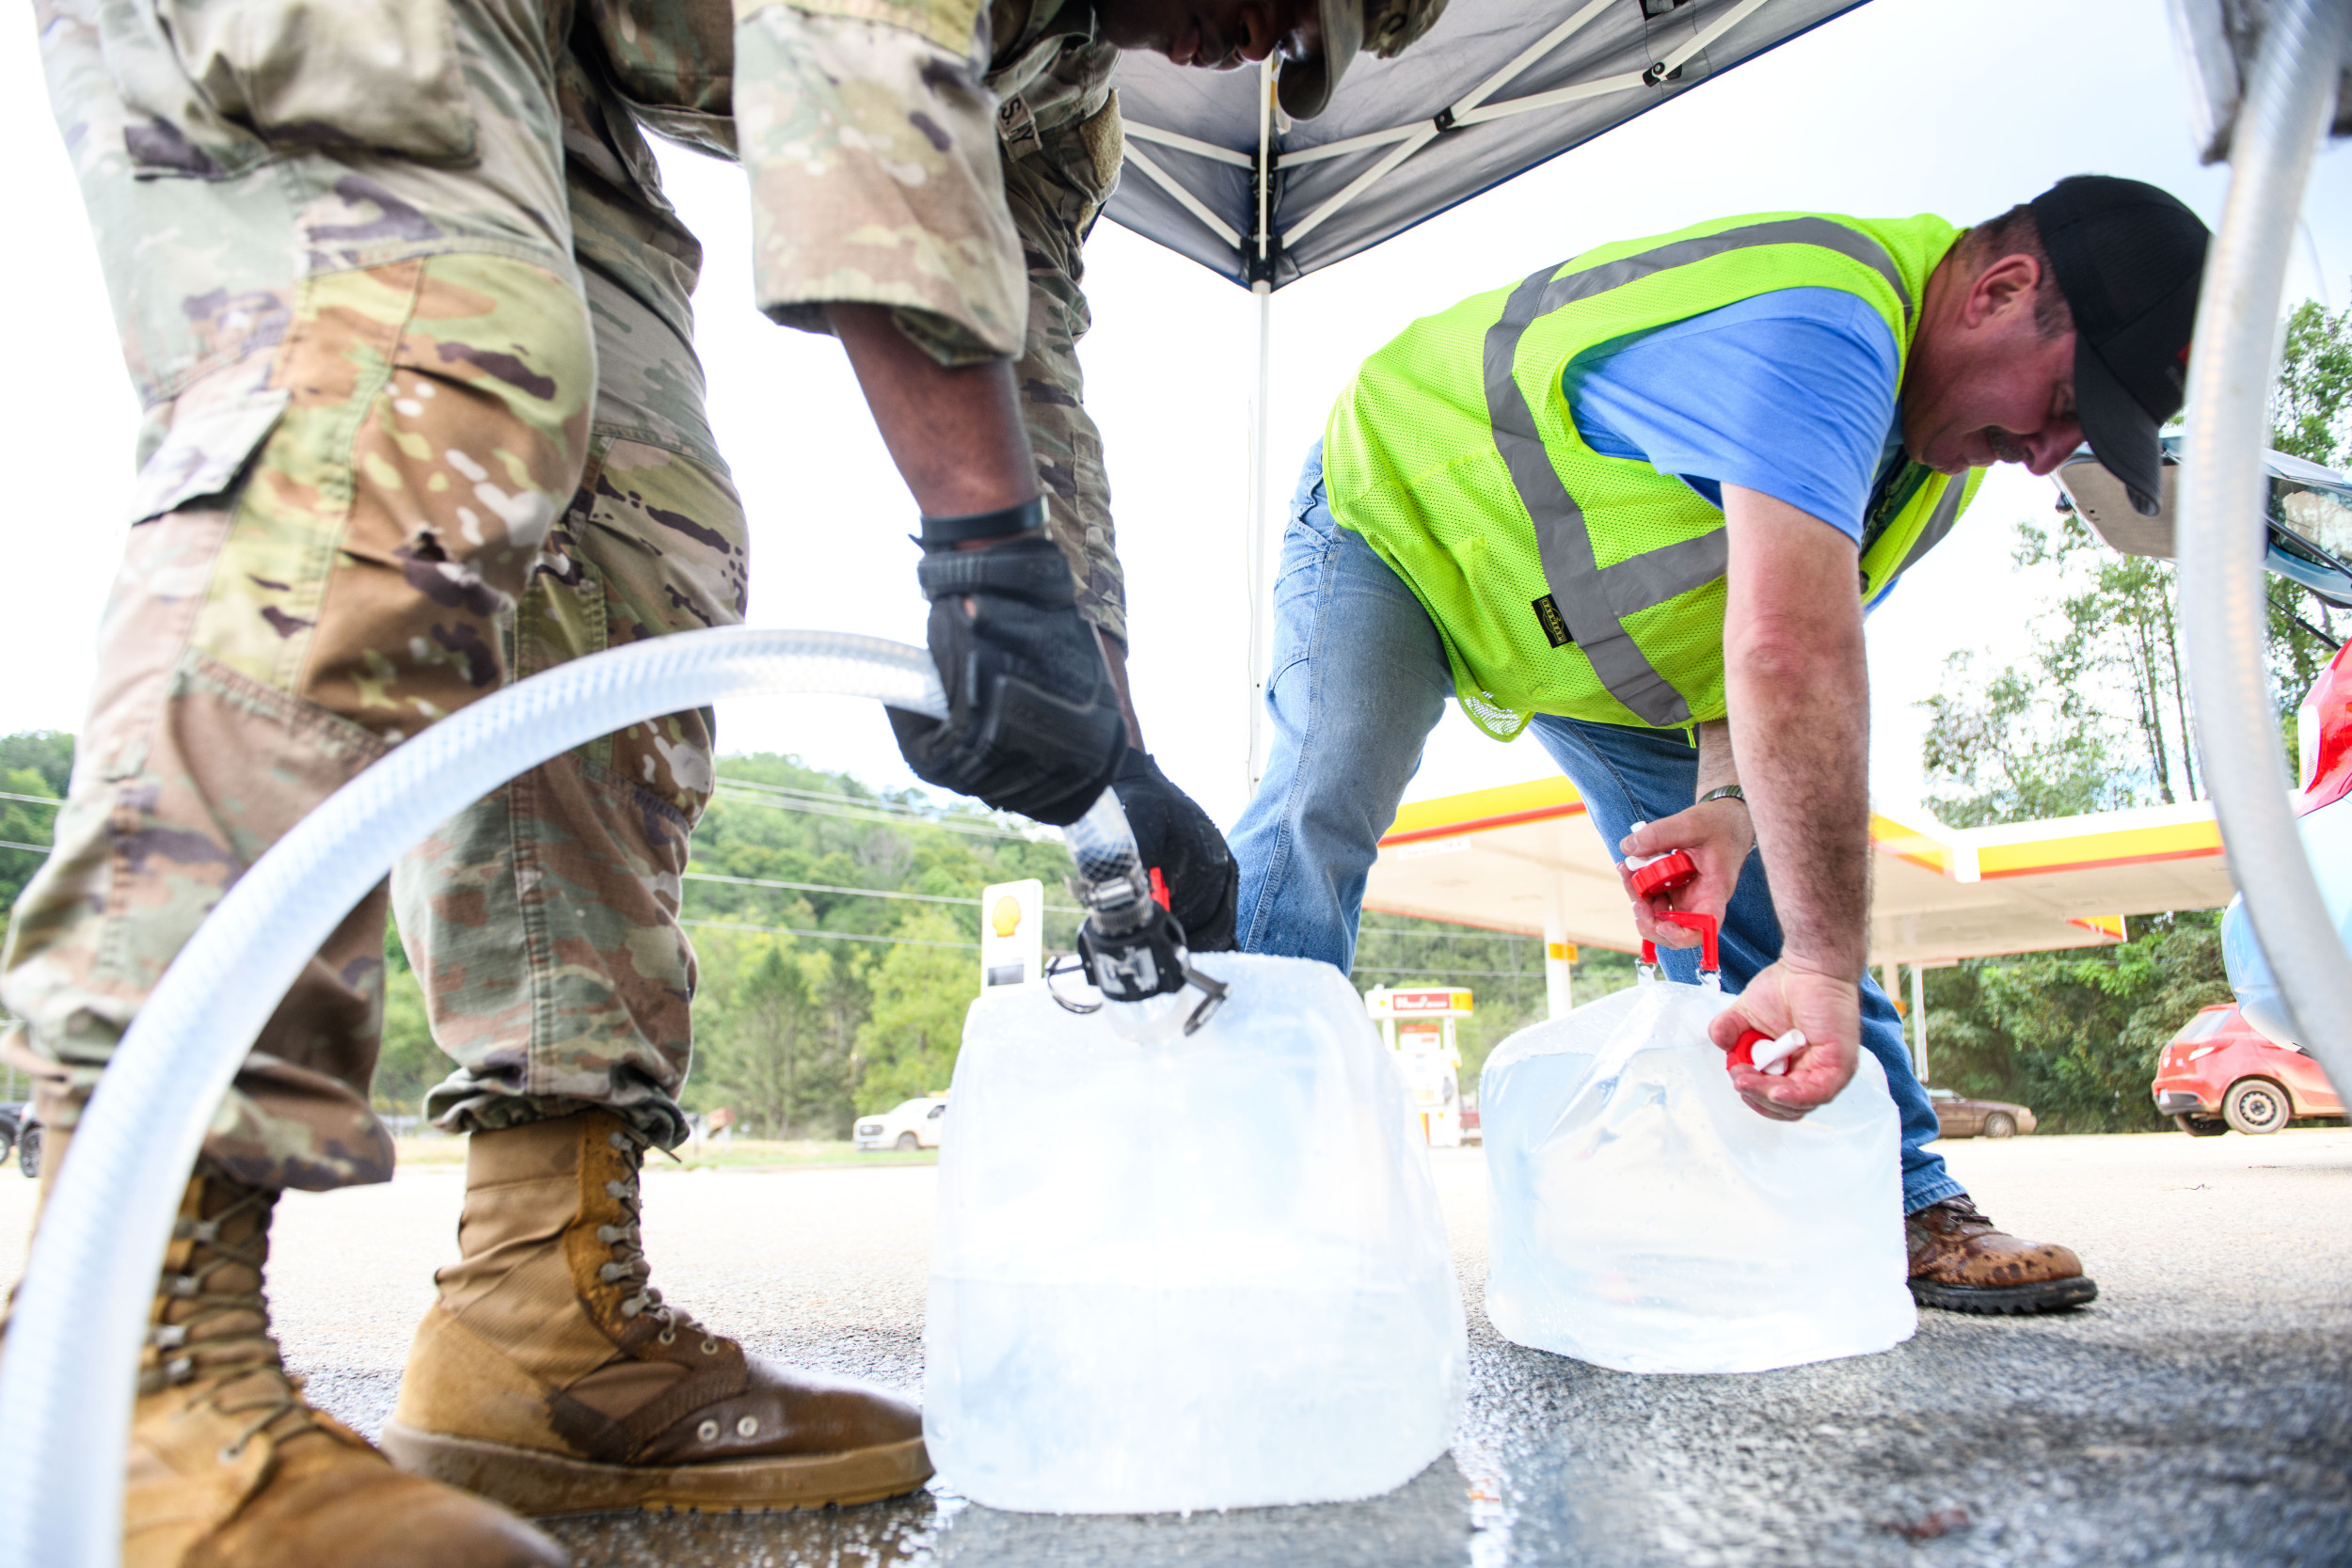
1939,524
1593,600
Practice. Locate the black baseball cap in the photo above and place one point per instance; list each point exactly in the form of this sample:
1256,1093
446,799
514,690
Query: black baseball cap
2129,259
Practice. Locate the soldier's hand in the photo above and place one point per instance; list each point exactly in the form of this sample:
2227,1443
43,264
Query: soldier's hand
1183,845
1033,723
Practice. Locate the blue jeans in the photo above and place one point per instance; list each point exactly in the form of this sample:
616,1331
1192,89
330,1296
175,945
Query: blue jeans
1359,680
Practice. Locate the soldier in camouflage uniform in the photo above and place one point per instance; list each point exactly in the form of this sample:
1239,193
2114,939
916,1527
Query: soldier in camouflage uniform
409,318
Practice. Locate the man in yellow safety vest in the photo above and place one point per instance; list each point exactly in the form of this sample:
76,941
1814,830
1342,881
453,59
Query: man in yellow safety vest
1640,502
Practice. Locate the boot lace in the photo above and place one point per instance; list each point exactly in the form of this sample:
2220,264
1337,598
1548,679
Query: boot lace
251,1371
627,1243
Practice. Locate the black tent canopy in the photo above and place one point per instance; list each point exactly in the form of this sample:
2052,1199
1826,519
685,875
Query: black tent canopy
1495,88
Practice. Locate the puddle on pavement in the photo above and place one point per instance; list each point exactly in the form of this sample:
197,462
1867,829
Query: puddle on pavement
1437,1517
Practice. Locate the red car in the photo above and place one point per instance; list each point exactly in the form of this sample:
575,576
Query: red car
2218,1072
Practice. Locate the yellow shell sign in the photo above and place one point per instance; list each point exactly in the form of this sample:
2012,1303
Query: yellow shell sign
1006,916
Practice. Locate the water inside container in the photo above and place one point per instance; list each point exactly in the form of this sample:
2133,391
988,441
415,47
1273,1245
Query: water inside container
1645,1219
1184,1272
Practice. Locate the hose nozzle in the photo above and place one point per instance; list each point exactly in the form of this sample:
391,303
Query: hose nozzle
1131,946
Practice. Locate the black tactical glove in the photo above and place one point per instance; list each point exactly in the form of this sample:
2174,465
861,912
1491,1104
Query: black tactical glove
1033,723
1183,852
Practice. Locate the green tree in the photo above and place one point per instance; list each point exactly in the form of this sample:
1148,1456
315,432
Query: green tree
910,1039
766,1048
408,1063
2076,1034
2311,408
37,763
2014,749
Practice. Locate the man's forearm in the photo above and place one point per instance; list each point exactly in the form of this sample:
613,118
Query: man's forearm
954,430
1716,765
1799,694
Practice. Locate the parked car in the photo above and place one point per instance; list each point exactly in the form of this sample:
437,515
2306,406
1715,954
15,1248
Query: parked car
1472,1132
23,1135
2323,808
1958,1116
913,1124
2220,1073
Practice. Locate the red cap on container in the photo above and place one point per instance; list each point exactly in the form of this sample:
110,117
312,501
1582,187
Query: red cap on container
1672,870
1743,1054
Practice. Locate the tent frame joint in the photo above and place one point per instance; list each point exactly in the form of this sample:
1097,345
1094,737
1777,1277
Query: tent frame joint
1262,256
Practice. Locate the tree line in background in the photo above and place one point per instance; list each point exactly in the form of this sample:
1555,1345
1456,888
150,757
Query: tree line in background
2097,717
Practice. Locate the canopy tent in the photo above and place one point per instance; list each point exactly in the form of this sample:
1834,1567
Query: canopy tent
1494,88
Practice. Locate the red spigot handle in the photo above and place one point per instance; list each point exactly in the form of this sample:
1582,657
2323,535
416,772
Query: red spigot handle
1668,873
1705,926
1743,1054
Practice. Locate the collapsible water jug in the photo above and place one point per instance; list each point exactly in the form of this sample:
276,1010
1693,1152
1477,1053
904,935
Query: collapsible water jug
1647,1220
1186,1270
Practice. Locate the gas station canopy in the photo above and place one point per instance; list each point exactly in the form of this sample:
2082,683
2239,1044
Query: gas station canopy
1526,858
1496,88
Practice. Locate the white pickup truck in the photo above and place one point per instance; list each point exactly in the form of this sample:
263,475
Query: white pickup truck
913,1124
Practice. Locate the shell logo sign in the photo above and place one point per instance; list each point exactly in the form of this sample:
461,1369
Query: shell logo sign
1449,1002
1012,933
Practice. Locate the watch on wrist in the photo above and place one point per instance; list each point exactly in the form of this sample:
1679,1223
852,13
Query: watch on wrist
1726,792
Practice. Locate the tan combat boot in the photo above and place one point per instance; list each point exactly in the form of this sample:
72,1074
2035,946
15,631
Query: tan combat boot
552,1377
1962,1262
228,1465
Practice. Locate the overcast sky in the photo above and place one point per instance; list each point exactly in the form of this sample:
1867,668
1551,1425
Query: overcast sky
1902,106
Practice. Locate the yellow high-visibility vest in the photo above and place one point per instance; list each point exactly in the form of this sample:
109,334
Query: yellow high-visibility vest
1561,581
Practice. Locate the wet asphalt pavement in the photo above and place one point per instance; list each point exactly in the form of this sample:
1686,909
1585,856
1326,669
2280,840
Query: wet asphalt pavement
2200,1412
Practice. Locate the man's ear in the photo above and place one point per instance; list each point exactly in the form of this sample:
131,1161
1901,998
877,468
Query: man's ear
2007,283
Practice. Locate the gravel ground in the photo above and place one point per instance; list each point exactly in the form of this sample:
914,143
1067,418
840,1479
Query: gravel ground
2196,1414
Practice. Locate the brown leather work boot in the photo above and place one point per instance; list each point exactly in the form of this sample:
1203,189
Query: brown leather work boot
552,1377
231,1469
1961,1262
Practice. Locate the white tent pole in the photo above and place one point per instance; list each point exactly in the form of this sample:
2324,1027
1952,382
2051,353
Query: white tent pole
1260,585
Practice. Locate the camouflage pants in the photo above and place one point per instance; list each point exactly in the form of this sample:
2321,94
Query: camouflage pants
379,479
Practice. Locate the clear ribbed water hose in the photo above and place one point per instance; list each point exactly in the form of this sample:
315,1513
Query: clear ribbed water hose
2223,501
80,1318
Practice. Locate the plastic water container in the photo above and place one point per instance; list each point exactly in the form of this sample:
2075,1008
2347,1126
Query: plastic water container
1645,1219
1185,1272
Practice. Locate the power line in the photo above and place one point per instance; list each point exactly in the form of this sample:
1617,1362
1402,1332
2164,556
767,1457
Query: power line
1502,973
853,808
829,936
37,848
32,799
856,891
822,887
1451,936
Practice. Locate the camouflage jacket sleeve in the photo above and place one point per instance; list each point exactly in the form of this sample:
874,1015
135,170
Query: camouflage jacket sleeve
1058,127
870,142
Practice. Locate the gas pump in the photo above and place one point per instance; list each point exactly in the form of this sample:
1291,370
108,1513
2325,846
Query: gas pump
1418,1027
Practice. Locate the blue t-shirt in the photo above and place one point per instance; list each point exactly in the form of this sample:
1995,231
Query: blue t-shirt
1791,394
